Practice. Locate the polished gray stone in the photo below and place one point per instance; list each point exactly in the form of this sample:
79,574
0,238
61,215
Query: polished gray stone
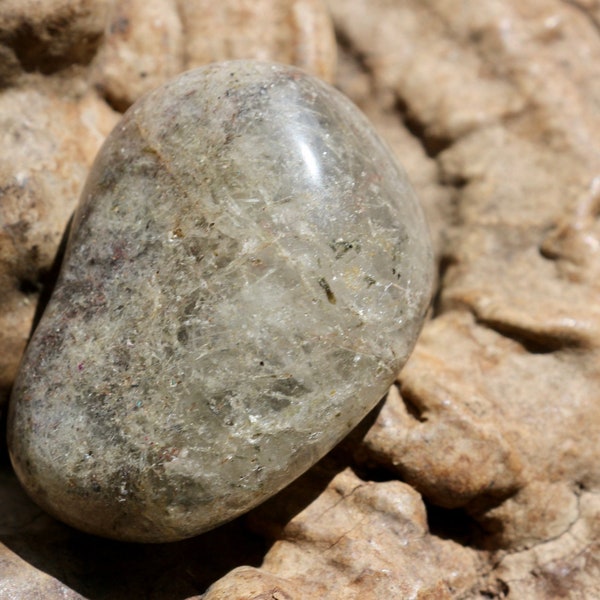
247,272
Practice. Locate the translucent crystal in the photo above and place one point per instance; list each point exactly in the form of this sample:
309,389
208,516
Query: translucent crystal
246,273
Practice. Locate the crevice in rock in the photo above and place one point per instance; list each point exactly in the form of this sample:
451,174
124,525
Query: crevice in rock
413,405
34,55
531,341
454,524
30,287
4,457
347,51
432,144
47,280
118,104
495,589
444,263
370,471
359,58
456,181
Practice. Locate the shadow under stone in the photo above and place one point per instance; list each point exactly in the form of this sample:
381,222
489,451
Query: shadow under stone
102,569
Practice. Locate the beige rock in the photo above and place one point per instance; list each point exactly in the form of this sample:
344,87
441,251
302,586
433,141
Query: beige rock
19,580
520,392
247,583
517,326
415,54
143,47
48,141
472,441
540,511
356,540
563,567
149,42
297,32
438,445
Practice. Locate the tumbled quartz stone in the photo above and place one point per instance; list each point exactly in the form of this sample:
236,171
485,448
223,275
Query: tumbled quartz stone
246,273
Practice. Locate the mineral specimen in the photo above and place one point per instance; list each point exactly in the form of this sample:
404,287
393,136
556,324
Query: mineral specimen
246,273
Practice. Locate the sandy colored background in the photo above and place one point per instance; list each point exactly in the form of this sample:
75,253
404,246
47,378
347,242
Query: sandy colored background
479,476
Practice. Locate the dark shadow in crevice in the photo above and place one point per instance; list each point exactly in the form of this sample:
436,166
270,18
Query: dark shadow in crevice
455,524
457,181
31,287
472,525
496,589
36,55
444,264
432,144
117,103
46,281
370,471
414,406
359,58
532,342
4,457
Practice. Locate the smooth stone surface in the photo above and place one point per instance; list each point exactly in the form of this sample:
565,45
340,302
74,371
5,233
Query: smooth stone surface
247,272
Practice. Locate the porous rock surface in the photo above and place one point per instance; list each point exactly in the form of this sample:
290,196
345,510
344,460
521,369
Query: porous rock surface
492,107
369,536
150,41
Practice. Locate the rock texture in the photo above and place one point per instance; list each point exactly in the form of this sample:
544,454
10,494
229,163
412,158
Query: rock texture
148,42
369,536
246,274
492,107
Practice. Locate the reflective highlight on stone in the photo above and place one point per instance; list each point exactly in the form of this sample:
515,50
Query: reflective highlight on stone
247,272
